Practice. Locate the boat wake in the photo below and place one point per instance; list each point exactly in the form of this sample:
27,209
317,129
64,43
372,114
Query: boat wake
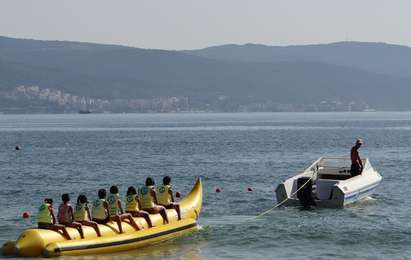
226,220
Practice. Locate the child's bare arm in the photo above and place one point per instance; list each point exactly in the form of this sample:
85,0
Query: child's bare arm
88,212
106,208
153,193
138,202
170,191
119,206
52,215
71,212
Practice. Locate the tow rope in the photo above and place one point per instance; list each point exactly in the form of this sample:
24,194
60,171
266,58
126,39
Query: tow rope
282,202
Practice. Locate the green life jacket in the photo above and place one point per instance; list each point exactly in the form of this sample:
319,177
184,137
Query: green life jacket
146,199
113,204
131,203
163,195
99,212
80,213
44,215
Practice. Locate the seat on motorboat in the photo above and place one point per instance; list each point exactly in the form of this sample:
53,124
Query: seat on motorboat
327,178
333,173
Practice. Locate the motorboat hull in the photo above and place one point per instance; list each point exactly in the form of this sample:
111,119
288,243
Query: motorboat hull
341,192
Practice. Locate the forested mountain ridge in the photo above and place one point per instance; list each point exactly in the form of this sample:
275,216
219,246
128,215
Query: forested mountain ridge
124,79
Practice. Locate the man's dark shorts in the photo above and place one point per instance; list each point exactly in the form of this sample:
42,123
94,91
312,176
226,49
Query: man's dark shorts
355,169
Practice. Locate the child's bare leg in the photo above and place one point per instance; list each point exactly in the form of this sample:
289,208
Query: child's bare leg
131,220
93,225
163,213
177,208
146,216
58,227
77,226
118,220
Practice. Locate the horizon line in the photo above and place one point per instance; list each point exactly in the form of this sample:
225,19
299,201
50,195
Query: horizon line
206,47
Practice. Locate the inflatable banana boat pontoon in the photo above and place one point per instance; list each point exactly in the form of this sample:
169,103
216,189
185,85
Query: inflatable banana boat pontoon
41,242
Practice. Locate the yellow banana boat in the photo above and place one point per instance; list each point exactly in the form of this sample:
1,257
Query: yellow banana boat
41,242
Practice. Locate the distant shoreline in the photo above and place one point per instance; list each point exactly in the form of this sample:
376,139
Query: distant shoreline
213,112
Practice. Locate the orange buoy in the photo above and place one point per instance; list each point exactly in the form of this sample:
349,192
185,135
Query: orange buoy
26,214
178,194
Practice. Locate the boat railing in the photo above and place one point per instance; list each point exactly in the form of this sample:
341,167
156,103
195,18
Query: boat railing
313,168
325,162
333,163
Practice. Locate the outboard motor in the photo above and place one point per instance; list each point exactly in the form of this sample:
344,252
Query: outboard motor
305,195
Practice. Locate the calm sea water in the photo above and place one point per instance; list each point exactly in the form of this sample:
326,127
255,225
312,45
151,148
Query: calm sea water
82,153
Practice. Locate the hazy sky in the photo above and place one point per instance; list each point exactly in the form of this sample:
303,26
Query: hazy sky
189,24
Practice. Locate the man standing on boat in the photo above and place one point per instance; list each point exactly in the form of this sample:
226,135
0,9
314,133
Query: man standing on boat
356,163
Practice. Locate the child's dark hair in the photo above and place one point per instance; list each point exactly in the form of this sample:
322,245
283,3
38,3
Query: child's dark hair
48,201
150,181
114,189
65,197
102,193
82,199
131,191
167,180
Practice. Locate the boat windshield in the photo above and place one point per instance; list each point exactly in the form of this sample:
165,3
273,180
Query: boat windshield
337,162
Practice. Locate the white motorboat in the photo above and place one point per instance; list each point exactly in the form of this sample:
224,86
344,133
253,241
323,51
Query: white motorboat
328,183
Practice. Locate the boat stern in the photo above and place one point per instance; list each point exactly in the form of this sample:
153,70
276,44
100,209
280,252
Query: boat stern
280,192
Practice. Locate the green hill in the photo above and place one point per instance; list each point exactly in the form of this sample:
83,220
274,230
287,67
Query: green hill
209,80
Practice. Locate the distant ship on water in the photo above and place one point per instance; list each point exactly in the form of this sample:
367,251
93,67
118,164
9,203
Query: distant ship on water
87,111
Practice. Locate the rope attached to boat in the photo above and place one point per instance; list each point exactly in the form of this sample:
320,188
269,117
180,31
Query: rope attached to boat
282,202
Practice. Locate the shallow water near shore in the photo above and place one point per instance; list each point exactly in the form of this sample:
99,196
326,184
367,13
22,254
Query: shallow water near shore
82,153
